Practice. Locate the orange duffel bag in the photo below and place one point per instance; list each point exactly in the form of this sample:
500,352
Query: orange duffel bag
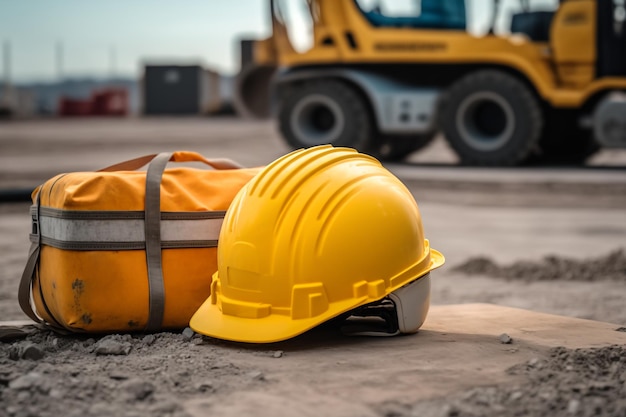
125,250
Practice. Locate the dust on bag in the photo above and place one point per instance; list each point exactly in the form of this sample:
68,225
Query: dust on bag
124,250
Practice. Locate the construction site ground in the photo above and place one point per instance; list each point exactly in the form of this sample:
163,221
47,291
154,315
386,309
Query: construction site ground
528,313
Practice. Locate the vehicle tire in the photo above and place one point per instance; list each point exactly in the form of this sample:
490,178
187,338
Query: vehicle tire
398,147
491,118
563,141
325,112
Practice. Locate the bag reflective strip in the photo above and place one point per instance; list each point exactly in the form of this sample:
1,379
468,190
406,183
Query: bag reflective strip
116,246
102,231
122,215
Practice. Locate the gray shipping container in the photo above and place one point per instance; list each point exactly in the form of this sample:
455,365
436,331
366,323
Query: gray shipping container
172,89
182,90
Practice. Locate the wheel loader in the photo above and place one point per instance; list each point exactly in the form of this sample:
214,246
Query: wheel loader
548,88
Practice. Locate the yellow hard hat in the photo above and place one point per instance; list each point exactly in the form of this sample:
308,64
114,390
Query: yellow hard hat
318,233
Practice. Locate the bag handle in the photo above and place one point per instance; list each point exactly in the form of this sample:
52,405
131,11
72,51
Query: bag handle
180,156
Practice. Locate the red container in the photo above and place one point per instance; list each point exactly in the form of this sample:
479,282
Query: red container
106,102
73,107
110,102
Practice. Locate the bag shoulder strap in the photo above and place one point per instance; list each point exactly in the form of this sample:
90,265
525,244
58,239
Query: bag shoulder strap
24,289
30,271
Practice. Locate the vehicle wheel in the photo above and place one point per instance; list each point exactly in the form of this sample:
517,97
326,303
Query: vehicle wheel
398,147
491,118
563,142
325,112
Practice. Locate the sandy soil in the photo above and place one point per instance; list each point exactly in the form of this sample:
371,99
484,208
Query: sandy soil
496,239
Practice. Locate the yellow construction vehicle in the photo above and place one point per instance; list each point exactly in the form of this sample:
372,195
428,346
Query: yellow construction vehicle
550,87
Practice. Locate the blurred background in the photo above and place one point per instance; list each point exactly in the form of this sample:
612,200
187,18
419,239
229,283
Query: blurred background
84,85
77,58
58,56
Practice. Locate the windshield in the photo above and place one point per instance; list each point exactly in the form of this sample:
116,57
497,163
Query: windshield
295,16
474,16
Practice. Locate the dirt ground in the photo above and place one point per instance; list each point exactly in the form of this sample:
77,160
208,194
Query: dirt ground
550,240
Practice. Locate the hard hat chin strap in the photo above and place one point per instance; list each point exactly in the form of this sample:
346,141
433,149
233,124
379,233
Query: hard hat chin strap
402,311
376,319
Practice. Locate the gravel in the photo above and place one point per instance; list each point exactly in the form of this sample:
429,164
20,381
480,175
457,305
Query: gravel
609,267
121,375
571,382
111,345
158,374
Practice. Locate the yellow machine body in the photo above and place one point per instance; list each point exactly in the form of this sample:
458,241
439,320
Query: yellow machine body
561,70
561,74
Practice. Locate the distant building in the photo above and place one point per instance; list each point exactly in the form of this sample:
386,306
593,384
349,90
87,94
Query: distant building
181,90
48,95
17,102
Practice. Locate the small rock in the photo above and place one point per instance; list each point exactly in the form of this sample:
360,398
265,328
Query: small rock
12,410
31,352
56,394
26,382
278,354
197,341
118,376
188,333
112,347
572,406
164,407
14,353
24,396
257,376
204,386
100,409
505,339
449,411
621,329
516,395
183,374
138,389
533,362
148,339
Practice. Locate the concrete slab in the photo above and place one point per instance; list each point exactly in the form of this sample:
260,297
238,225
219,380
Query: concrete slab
524,326
457,349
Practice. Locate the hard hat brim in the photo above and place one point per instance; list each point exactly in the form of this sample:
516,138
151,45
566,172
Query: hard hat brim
210,321
436,259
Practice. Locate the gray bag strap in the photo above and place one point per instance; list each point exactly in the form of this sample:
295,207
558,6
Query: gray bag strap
23,293
152,224
30,271
153,240
24,289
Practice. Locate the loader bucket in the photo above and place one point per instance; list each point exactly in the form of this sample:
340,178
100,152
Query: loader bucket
252,95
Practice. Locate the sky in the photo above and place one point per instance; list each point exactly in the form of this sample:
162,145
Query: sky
114,36
101,38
